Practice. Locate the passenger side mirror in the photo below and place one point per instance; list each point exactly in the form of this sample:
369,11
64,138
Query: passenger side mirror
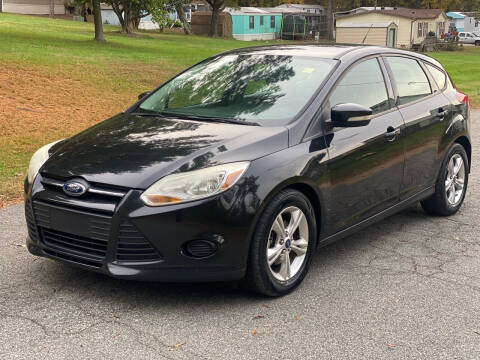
350,115
142,95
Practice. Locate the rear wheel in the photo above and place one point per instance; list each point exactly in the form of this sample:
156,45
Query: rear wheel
451,184
282,245
477,43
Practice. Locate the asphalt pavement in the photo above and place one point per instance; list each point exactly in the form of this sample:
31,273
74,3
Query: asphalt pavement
405,288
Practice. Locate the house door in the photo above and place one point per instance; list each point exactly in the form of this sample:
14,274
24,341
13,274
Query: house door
391,37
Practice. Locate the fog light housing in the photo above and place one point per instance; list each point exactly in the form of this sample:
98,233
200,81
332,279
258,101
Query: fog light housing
200,248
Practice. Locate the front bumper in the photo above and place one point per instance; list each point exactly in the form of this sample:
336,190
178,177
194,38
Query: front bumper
123,238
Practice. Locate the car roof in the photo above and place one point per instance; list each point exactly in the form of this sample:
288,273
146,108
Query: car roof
336,52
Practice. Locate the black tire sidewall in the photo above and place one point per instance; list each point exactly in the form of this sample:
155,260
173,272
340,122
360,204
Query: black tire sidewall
278,203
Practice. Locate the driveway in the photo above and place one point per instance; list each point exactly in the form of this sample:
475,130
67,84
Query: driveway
405,288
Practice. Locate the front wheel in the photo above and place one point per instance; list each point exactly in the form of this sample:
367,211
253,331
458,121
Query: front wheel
451,184
282,245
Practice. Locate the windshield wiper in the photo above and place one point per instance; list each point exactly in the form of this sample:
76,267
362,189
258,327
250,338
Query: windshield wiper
210,119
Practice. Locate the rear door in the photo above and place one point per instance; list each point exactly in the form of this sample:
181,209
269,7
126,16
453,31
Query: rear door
425,111
365,165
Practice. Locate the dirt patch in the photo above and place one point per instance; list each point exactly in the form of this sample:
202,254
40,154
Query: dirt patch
45,104
39,105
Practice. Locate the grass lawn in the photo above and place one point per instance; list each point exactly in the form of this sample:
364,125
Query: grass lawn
55,80
464,68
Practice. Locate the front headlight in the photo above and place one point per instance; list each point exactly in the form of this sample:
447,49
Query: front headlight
38,159
194,185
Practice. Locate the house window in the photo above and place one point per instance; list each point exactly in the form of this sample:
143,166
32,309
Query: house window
261,20
422,29
272,22
251,21
441,28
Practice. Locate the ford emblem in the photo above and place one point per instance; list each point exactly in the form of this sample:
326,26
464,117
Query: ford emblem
75,187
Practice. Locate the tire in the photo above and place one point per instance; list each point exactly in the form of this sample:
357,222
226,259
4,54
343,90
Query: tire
264,278
477,43
438,203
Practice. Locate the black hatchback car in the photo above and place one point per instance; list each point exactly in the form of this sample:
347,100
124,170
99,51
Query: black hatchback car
242,165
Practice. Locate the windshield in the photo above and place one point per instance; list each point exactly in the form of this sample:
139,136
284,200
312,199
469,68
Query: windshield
265,89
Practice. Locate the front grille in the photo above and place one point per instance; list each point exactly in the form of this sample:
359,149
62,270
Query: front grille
31,226
71,258
77,245
132,245
73,235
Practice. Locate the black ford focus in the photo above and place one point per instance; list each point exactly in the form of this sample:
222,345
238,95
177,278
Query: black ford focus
244,164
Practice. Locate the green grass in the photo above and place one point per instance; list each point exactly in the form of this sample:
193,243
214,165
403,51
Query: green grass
56,42
464,68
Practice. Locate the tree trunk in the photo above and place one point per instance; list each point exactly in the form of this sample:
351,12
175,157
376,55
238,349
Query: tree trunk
330,20
52,8
181,14
214,23
97,19
122,15
84,13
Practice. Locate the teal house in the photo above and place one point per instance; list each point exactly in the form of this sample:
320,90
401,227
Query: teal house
249,23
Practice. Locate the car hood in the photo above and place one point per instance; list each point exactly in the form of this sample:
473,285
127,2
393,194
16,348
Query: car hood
134,152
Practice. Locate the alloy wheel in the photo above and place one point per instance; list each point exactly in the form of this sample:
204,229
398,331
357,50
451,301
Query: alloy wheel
287,243
455,181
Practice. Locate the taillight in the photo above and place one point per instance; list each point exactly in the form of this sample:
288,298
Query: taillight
463,98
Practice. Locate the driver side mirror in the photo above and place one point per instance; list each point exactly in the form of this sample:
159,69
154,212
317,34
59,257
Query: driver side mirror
350,115
142,95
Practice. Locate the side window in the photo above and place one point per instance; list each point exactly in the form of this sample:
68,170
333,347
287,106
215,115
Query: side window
261,20
438,75
251,22
364,85
272,22
412,82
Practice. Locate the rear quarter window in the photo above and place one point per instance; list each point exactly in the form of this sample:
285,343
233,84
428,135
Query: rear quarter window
438,75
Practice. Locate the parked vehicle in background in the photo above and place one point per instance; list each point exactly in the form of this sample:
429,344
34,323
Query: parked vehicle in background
469,38
241,166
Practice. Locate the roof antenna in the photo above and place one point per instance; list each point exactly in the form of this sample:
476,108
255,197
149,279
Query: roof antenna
365,38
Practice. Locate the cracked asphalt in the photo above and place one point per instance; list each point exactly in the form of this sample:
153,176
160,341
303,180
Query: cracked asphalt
405,288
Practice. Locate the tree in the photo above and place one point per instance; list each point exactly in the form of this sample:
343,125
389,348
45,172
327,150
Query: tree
129,12
217,7
178,5
97,18
97,15
160,14
330,20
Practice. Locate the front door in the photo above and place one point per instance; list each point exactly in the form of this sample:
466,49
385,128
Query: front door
365,163
391,37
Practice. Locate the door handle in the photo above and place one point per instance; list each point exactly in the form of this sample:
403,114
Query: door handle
441,114
392,133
